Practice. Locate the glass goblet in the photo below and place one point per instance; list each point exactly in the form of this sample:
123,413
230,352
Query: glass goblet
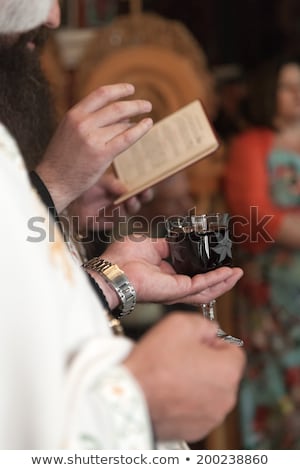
199,244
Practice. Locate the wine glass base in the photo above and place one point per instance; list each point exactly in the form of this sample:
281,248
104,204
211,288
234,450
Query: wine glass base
230,339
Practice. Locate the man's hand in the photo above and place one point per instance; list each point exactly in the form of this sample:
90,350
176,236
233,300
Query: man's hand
190,378
144,262
89,137
95,208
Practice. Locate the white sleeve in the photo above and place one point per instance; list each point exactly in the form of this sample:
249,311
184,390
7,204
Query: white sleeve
58,358
106,399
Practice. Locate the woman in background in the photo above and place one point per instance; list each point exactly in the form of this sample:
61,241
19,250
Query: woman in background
263,190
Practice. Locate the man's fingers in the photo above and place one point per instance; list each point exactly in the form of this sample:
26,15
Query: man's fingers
104,106
133,205
210,285
213,278
146,196
104,95
122,141
119,111
110,132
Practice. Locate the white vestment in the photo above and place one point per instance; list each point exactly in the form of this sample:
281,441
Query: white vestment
62,385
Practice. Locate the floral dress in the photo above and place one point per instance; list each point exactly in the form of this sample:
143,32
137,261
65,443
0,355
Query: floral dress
269,322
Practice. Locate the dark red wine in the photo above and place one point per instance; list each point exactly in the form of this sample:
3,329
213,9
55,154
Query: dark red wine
199,252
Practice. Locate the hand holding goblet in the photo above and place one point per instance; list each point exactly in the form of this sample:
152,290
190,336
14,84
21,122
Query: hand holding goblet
199,244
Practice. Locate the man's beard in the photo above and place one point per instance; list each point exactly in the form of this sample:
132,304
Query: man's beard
25,101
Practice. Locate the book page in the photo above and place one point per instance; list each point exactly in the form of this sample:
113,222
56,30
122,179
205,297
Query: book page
172,144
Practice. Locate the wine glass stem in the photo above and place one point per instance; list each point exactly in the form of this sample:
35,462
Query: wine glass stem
209,312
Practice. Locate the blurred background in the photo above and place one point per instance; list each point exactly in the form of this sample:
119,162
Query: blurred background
228,30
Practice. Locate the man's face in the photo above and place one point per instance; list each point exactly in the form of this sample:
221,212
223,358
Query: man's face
25,104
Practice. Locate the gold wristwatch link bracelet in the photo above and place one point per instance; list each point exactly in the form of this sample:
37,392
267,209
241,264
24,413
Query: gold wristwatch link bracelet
117,280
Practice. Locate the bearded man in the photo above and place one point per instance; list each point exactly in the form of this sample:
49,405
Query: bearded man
27,110
25,101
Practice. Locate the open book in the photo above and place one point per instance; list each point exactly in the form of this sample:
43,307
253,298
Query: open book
175,142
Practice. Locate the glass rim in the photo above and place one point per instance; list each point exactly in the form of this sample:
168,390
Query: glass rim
201,222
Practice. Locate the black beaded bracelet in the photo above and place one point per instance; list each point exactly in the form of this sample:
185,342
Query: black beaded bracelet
44,194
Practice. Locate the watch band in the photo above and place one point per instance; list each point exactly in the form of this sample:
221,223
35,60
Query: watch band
117,279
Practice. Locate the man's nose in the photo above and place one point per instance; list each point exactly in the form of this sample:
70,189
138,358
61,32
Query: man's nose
53,19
